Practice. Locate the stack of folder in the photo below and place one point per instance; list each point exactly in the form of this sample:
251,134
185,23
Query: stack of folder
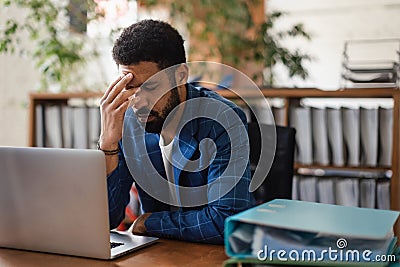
371,63
291,232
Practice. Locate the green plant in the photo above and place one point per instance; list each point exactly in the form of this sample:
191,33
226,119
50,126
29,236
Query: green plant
274,52
57,52
228,30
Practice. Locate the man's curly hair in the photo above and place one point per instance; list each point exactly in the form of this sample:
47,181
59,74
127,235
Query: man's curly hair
149,40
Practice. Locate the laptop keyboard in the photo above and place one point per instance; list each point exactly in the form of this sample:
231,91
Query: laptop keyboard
115,244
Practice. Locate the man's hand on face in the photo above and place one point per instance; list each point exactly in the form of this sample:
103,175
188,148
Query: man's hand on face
113,105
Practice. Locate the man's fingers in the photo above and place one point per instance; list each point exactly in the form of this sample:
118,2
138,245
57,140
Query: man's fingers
124,106
110,87
123,97
119,87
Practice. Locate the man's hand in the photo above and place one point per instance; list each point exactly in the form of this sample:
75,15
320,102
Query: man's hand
113,105
138,227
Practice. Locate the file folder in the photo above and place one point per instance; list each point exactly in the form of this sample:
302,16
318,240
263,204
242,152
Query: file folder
320,136
301,121
335,136
328,223
369,135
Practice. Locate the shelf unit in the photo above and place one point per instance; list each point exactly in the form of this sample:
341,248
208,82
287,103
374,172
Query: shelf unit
36,99
291,97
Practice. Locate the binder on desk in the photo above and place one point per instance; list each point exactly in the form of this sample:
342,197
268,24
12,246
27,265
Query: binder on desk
292,225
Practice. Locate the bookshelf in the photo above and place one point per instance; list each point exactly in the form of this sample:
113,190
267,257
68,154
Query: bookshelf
36,99
291,97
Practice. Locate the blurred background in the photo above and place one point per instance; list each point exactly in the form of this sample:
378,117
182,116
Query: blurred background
65,45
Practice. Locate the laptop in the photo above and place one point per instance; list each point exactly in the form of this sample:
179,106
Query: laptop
55,200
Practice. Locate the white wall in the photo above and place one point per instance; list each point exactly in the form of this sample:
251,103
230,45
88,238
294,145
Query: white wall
332,22
17,78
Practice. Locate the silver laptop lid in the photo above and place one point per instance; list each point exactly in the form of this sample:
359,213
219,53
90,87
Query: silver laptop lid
54,200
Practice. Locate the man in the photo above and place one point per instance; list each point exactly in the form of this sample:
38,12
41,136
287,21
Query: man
197,158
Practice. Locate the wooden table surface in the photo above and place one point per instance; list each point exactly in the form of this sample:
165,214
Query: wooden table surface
162,253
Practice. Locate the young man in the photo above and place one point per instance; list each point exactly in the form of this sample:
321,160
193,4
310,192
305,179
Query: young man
169,132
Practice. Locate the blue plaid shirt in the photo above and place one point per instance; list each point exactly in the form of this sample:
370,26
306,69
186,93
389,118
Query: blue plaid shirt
203,223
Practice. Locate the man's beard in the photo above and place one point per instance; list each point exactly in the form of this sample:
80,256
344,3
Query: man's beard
158,118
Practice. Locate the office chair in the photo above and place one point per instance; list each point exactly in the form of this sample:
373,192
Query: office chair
278,181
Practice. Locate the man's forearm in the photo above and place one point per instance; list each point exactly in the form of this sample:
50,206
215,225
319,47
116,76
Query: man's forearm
111,152
197,225
111,163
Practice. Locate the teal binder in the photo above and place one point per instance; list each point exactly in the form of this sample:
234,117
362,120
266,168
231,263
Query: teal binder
302,226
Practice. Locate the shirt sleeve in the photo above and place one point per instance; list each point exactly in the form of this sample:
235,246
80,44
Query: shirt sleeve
207,224
119,183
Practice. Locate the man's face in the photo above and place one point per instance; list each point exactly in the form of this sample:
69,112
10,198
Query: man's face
155,95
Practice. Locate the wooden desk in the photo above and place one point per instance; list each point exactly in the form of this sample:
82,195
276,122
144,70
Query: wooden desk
163,253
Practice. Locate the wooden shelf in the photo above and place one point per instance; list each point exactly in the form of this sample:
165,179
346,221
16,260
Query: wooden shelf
64,96
51,98
313,93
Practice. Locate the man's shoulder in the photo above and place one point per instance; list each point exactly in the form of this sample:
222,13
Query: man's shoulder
214,113
199,91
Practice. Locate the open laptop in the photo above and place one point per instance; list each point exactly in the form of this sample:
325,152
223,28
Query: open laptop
55,200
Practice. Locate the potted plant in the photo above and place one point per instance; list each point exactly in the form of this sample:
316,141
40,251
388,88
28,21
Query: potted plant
274,52
238,33
58,50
